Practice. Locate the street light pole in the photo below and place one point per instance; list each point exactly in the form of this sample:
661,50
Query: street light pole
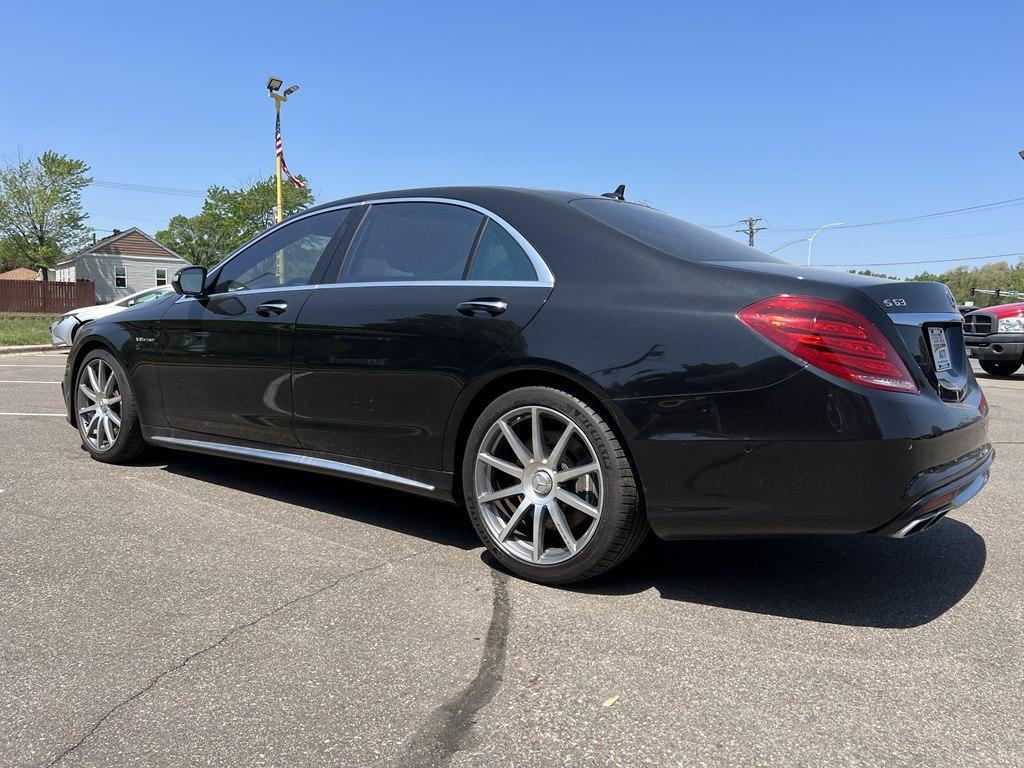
810,241
273,87
277,156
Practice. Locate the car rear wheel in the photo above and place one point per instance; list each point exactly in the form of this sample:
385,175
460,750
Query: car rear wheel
105,410
549,488
999,368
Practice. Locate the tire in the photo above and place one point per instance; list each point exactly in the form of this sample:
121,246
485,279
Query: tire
503,503
999,367
111,415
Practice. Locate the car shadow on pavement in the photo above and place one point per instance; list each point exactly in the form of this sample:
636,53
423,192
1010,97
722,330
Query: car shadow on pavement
867,581
415,516
853,580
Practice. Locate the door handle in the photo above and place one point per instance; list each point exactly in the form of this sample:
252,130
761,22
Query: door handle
481,307
271,308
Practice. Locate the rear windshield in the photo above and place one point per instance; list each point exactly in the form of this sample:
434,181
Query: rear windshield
667,233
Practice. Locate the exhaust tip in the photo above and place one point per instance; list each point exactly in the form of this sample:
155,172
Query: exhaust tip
920,524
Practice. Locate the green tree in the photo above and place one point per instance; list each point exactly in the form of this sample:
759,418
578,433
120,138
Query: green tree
998,275
8,256
228,218
869,273
41,216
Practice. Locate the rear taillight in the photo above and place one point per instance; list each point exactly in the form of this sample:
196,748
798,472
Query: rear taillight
832,337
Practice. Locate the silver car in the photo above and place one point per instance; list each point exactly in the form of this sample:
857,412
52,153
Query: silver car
64,328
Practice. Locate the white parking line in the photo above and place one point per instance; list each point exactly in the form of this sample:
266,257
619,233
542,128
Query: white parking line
33,414
31,365
15,381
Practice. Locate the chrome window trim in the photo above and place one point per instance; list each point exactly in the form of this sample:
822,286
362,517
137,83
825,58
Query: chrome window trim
921,318
264,233
377,284
435,283
544,274
291,460
248,292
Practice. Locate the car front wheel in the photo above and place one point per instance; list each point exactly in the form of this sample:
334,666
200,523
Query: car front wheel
999,368
105,411
549,488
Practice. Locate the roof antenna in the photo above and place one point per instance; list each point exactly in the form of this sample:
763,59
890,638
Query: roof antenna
618,194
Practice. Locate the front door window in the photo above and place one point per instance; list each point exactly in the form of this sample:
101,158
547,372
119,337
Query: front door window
288,256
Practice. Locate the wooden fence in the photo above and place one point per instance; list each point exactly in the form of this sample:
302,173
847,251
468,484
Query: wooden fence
46,297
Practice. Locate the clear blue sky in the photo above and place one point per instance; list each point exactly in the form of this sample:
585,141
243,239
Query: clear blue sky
802,114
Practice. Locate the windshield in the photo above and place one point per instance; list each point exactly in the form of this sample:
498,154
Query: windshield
667,233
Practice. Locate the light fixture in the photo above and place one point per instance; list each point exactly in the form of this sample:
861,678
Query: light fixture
274,83
290,90
1021,153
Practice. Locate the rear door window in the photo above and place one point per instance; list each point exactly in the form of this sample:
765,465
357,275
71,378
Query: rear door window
499,258
412,242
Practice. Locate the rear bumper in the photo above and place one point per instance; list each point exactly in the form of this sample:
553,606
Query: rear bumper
996,346
801,458
969,476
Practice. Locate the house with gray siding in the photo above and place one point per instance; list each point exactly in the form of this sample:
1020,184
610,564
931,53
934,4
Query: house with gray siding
122,263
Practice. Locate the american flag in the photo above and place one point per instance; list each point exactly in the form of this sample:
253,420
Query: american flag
296,182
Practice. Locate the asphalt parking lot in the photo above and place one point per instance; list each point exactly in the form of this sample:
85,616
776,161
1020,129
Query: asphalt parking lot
193,610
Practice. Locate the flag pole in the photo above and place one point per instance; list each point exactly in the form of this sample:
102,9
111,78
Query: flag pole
273,87
277,156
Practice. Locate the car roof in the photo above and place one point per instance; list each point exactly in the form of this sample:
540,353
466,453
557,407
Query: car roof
469,194
573,244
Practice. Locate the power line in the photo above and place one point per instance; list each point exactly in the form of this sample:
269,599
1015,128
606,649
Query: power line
925,261
150,188
1010,203
786,245
95,215
998,204
905,242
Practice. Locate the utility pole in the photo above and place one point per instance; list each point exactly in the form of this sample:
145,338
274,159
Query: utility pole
750,229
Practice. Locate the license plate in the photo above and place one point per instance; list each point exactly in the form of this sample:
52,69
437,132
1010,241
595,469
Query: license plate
940,349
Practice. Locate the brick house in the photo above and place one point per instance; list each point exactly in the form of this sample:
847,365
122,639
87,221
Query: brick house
120,264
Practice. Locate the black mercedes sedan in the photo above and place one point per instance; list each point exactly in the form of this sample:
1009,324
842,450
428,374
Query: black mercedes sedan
576,369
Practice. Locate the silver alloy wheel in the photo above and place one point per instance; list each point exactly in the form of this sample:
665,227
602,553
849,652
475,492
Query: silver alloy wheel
98,401
540,505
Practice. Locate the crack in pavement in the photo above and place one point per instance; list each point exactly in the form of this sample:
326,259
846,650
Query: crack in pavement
224,638
447,727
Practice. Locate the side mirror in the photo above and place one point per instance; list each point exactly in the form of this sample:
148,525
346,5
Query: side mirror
189,281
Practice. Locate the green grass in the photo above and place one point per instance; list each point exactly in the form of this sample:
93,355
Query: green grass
18,328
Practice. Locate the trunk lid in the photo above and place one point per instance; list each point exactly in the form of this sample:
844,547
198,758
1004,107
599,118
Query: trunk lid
924,317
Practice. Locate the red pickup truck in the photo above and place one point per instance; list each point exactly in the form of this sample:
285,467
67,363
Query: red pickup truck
995,336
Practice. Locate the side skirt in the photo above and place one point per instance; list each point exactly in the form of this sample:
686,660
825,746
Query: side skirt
425,482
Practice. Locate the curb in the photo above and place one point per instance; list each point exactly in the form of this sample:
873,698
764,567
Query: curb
27,348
